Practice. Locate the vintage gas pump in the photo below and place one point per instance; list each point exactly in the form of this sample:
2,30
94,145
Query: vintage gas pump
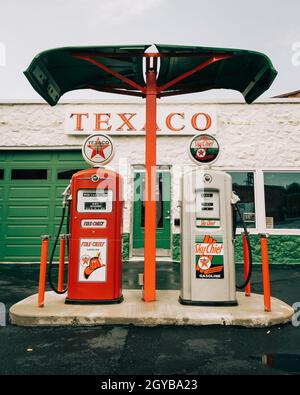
95,228
208,220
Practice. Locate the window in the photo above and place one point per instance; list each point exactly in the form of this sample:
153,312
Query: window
282,199
1,174
243,185
159,201
66,174
29,174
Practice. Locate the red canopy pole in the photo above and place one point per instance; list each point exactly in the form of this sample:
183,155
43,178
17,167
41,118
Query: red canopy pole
150,186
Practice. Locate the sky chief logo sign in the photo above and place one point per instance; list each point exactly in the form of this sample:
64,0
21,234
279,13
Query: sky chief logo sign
98,149
204,149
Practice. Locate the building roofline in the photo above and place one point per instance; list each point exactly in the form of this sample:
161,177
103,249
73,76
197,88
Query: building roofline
288,95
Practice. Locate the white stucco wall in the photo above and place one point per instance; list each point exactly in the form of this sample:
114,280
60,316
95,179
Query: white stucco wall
265,135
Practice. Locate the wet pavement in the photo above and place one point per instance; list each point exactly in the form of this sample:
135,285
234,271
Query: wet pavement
158,350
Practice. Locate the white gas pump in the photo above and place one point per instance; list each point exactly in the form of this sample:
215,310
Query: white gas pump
208,221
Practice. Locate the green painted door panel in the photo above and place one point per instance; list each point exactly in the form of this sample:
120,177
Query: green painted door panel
25,192
21,212
35,156
163,222
25,230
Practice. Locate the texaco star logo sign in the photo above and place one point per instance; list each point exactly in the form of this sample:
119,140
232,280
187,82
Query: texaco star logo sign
98,149
203,149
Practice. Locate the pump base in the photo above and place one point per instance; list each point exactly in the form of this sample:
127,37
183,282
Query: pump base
207,303
164,311
82,301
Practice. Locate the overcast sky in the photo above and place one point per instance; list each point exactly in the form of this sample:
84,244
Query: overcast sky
31,26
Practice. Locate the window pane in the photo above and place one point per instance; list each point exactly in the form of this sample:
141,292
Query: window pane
1,174
66,174
282,199
243,185
29,174
159,201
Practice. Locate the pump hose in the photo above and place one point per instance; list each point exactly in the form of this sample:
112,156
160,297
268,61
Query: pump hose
249,249
53,251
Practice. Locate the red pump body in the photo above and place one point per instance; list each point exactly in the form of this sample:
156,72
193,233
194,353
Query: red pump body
95,249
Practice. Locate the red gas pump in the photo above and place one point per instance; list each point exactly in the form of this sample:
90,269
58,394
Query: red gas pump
95,273
95,230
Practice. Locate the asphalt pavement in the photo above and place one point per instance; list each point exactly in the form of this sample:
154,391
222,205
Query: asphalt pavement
158,350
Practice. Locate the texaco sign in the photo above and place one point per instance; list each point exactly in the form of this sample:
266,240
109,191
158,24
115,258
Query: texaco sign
97,150
129,119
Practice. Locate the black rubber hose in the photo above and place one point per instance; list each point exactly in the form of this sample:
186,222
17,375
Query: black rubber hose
68,226
53,252
249,249
234,221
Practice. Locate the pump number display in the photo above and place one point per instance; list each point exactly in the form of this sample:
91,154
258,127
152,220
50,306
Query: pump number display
209,257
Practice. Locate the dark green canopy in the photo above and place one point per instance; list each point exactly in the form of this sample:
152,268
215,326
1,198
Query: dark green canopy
57,71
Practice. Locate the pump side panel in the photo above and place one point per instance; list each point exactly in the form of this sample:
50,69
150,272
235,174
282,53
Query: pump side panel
187,207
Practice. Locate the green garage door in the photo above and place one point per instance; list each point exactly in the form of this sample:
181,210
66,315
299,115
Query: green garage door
31,183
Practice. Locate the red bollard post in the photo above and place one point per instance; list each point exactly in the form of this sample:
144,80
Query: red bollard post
246,264
61,265
43,268
265,271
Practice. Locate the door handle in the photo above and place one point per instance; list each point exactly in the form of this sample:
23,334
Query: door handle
167,217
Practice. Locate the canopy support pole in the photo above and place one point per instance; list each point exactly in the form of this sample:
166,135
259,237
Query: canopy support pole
150,186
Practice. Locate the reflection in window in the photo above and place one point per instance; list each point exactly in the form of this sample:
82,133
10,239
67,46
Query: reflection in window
29,174
282,199
159,200
66,174
243,185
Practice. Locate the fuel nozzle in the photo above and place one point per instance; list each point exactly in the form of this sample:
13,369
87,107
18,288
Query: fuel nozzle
234,198
66,195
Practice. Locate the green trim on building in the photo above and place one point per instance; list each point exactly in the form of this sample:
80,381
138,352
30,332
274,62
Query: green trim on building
176,247
282,249
125,246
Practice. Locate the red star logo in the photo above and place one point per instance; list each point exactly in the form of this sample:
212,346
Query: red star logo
204,264
97,147
85,260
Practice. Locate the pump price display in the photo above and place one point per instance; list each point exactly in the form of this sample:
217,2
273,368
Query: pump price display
207,205
94,200
95,206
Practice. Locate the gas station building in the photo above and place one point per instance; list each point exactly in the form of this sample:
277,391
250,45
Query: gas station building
41,149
